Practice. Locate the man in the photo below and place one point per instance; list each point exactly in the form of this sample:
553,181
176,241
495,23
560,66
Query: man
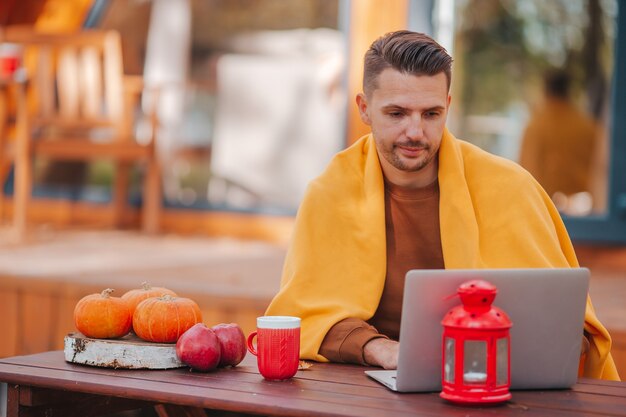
410,196
560,141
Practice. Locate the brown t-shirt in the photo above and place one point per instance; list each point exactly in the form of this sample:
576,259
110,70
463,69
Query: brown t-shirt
413,242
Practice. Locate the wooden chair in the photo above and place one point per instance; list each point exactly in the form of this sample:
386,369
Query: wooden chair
80,108
13,119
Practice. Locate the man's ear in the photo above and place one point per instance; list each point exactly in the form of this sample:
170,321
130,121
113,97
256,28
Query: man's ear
361,102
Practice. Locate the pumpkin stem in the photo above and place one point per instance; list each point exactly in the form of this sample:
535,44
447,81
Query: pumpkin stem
107,293
167,297
146,286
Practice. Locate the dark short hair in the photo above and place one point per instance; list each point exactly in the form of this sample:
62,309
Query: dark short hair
405,51
557,83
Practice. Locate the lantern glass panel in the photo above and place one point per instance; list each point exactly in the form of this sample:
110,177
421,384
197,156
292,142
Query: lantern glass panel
475,362
449,360
502,361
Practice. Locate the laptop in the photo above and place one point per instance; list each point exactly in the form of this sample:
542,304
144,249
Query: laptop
546,306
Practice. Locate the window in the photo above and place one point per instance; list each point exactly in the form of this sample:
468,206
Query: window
504,52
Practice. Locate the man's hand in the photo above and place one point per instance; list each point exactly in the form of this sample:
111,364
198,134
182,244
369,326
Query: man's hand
381,352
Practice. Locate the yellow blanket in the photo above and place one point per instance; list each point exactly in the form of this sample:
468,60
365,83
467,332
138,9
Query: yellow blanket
493,215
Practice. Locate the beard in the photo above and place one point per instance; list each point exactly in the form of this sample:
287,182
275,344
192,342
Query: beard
403,163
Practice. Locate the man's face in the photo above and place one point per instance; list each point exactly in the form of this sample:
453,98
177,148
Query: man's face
407,114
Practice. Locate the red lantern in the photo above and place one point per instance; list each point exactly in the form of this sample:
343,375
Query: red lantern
476,348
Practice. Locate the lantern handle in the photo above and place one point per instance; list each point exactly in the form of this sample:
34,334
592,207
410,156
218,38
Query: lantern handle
451,296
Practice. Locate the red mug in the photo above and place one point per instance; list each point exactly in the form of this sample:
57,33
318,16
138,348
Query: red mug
278,346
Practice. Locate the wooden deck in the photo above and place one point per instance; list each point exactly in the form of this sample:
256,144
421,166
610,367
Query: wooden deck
232,280
41,281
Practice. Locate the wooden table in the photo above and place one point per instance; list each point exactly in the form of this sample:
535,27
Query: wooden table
44,384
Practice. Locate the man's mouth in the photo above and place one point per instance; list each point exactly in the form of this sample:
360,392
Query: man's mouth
411,151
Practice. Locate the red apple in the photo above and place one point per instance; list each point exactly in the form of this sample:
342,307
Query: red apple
232,343
199,348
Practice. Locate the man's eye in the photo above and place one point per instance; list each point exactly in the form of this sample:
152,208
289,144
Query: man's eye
395,114
432,114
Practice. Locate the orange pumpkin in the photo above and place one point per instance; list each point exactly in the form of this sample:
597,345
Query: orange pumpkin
164,319
101,316
134,297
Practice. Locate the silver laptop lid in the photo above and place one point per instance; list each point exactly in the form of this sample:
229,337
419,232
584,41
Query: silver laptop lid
546,306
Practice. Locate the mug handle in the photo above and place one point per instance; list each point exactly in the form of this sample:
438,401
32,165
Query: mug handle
250,345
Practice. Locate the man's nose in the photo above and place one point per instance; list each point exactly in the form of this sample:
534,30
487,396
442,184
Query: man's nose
415,128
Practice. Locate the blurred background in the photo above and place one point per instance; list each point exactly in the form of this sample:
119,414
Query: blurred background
254,97
237,104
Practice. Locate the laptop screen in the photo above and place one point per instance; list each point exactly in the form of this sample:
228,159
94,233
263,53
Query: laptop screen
546,306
